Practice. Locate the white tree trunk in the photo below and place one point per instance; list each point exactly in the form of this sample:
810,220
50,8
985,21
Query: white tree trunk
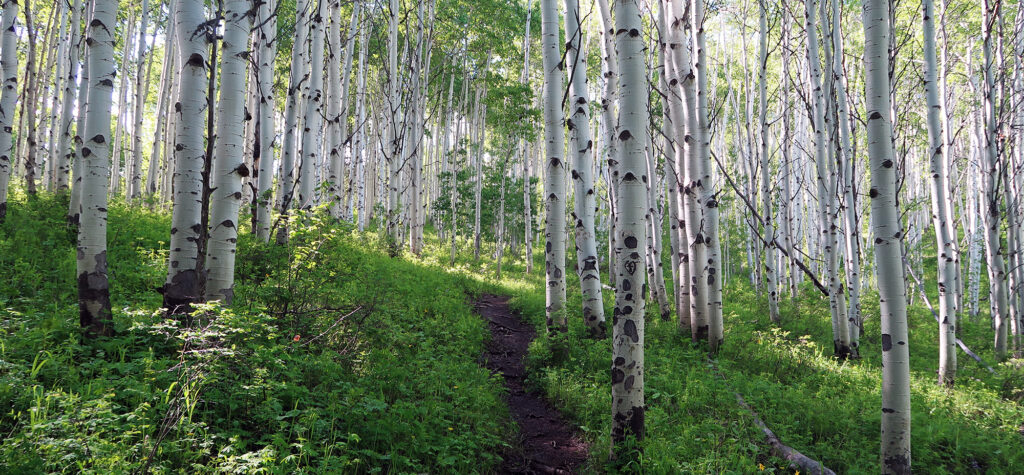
267,37
183,281
581,151
895,442
554,177
93,284
133,181
64,151
286,179
770,257
312,123
944,242
8,97
228,162
628,326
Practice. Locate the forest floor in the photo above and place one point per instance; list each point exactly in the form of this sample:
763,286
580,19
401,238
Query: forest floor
338,357
545,443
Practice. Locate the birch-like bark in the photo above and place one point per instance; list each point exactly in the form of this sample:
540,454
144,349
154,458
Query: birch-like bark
392,139
64,151
847,160
999,290
297,77
267,38
93,284
133,181
676,62
708,192
581,150
8,97
528,227
312,123
826,196
337,107
770,254
895,442
630,274
228,162
167,90
609,109
183,283
944,242
554,176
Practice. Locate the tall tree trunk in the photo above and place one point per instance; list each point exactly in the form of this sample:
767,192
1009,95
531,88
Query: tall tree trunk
267,38
64,151
312,123
134,179
93,285
527,189
286,180
628,326
554,176
183,281
895,453
228,165
993,197
8,97
770,257
581,149
944,242
826,195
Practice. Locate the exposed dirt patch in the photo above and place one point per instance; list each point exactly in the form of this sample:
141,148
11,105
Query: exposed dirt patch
547,443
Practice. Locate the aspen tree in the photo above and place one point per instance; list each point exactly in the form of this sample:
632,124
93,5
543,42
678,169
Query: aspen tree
338,107
937,152
770,257
992,173
581,150
895,450
312,122
8,97
296,79
826,196
93,284
527,189
163,102
554,176
627,368
183,281
133,181
64,151
228,163
267,39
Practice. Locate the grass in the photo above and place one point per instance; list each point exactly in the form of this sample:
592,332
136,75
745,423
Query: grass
339,358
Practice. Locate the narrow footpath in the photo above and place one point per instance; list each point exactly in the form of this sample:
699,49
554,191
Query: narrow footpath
547,444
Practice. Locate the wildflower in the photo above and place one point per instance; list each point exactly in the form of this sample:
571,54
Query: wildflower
297,338
451,428
760,467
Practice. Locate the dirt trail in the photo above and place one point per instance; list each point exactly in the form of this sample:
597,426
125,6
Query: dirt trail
546,444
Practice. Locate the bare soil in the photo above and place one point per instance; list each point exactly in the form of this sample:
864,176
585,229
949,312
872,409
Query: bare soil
546,443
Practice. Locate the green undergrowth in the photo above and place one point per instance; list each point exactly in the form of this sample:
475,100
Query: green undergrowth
828,409
335,358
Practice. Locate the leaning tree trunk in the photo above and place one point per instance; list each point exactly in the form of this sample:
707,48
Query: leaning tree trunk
944,242
229,164
581,149
895,452
554,176
183,284
631,180
8,97
93,285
